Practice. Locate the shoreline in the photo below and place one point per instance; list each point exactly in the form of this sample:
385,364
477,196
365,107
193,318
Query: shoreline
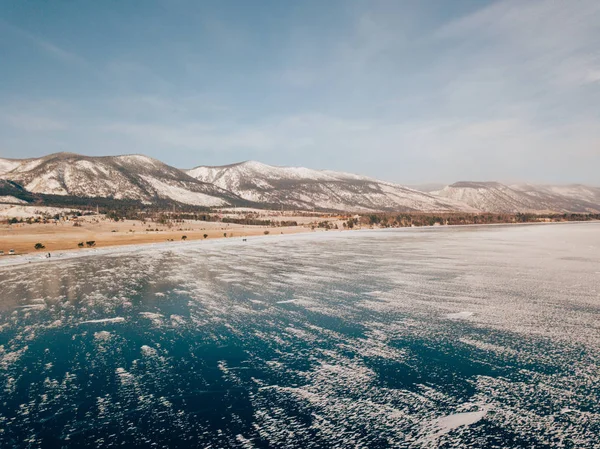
132,248
37,257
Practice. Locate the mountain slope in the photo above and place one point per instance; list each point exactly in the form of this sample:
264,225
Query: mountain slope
322,189
497,197
132,177
11,192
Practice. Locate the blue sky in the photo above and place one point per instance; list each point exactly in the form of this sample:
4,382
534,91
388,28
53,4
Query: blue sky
411,92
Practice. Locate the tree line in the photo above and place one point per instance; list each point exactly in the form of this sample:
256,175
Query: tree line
429,219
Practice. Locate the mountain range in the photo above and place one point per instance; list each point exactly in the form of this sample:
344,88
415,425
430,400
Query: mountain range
146,180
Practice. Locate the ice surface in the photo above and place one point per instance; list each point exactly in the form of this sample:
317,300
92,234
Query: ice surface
449,337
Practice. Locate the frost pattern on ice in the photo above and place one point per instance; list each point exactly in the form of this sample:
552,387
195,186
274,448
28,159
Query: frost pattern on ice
337,339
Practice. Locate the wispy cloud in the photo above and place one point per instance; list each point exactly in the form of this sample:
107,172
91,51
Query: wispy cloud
42,44
550,42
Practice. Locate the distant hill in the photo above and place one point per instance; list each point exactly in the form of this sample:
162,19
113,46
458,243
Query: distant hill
497,197
572,198
430,187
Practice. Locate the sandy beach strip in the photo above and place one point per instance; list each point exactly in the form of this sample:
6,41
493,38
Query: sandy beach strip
69,235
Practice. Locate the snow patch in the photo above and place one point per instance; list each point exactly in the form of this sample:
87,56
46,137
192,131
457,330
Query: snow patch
459,315
118,319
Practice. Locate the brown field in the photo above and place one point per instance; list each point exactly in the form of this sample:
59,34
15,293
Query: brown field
65,236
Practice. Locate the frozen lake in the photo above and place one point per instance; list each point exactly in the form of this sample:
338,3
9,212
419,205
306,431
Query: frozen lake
484,337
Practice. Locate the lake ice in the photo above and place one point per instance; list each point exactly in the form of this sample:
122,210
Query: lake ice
442,337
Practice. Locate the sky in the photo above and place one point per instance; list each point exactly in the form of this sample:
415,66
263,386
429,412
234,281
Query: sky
407,91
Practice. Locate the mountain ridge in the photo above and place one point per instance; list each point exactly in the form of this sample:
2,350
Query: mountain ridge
251,183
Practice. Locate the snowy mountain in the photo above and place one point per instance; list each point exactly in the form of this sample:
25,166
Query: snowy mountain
497,197
132,177
305,188
141,178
